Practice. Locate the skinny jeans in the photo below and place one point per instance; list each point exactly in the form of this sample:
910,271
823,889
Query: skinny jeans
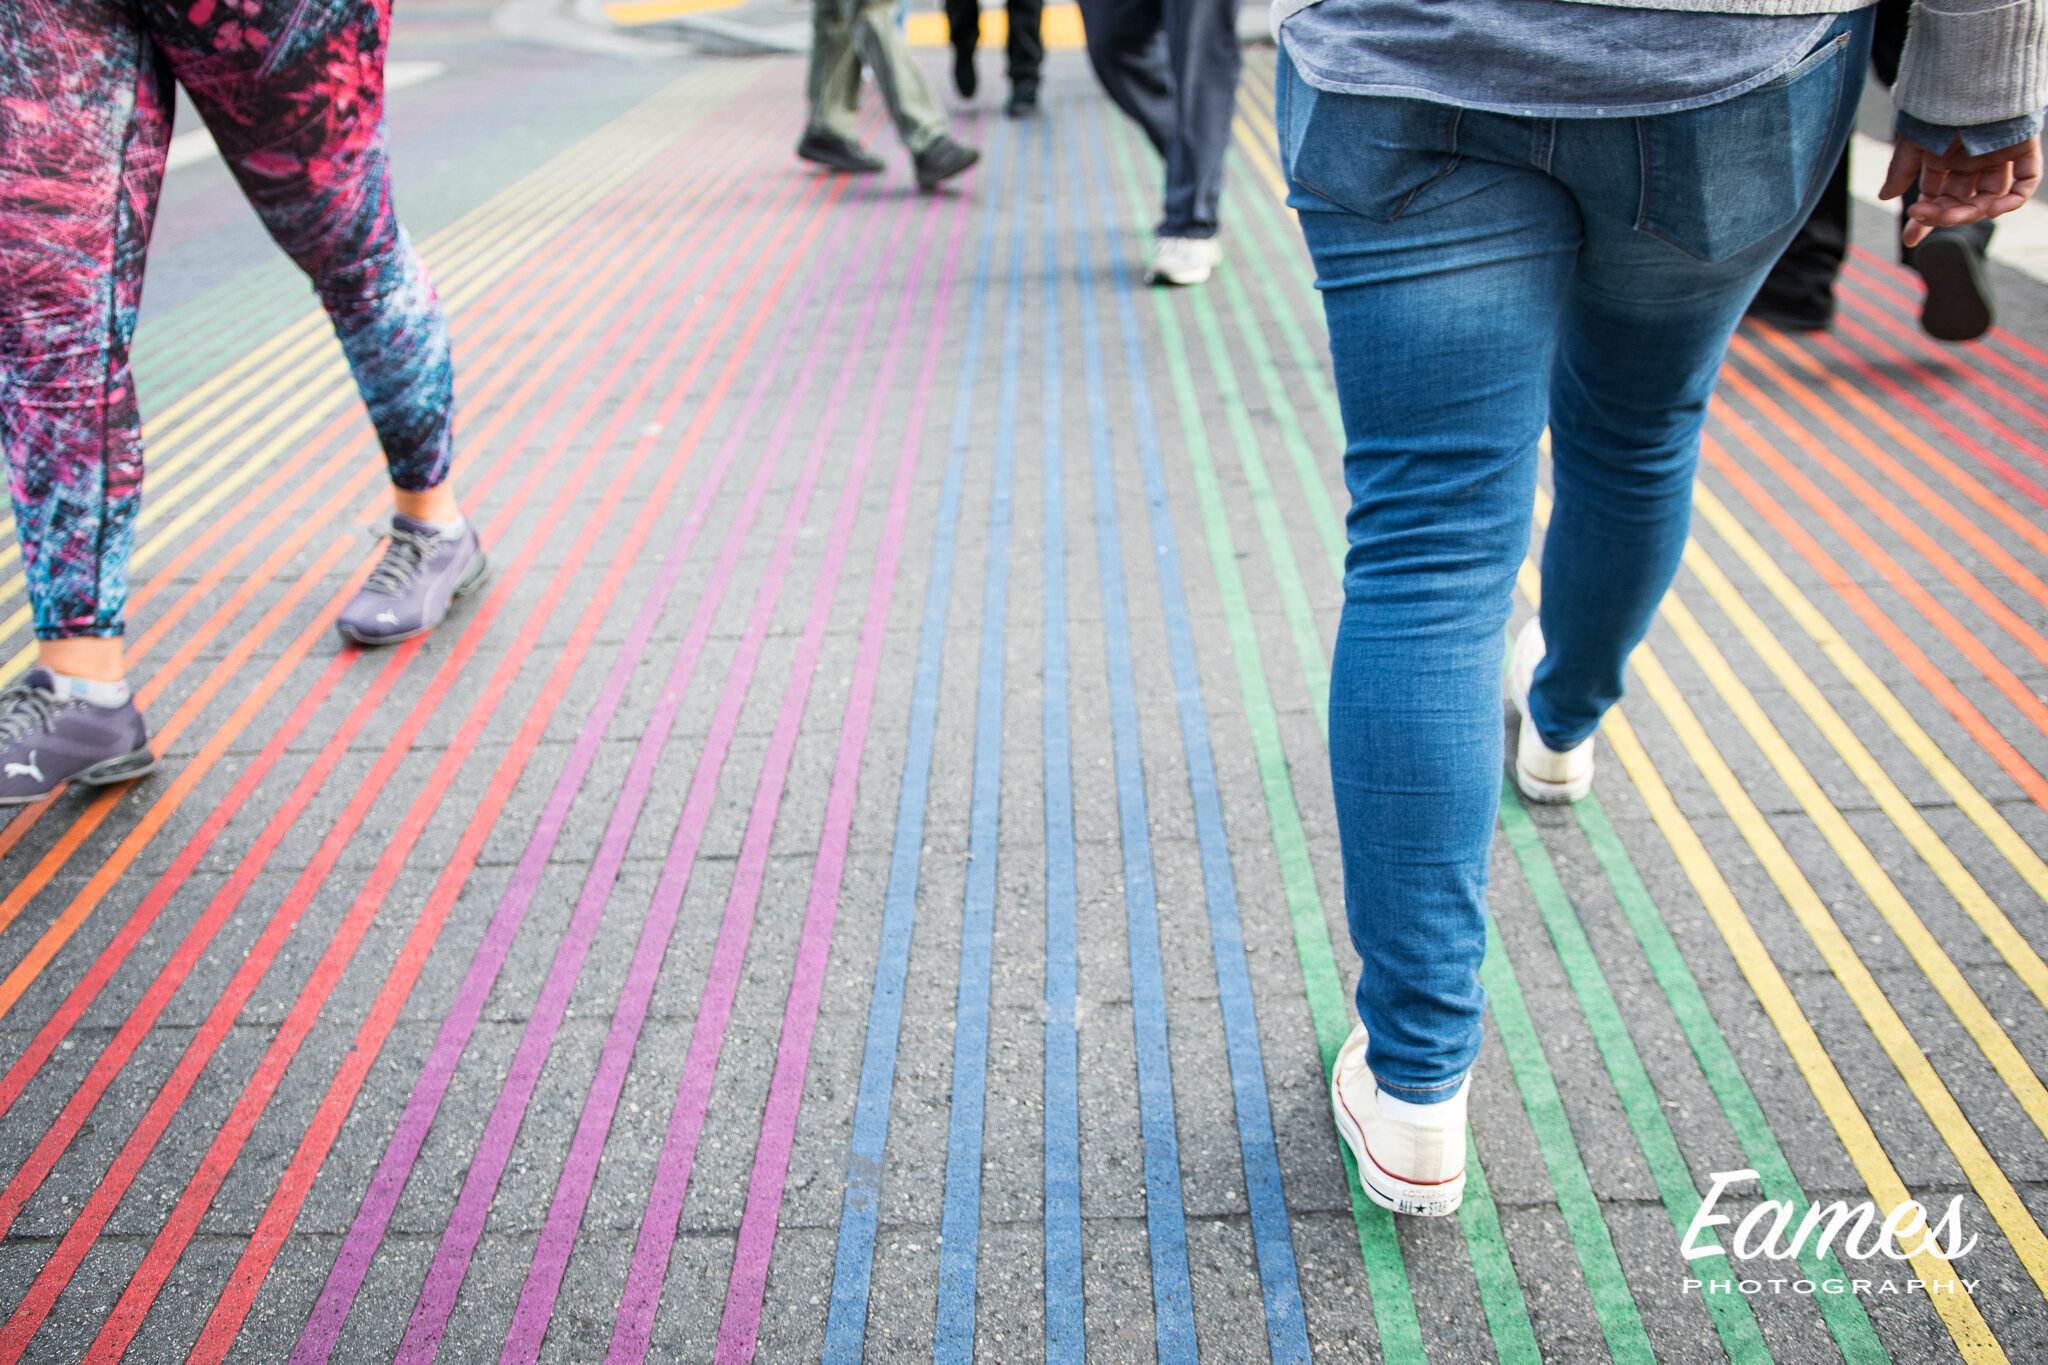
1485,277
293,95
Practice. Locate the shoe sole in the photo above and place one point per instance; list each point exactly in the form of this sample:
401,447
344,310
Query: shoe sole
1394,1195
844,168
1547,793
1958,306
1178,281
470,580
105,773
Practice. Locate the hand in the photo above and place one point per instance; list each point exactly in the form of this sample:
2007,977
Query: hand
1957,188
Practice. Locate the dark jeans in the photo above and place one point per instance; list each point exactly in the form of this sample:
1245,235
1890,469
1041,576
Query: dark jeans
1172,65
1026,48
1801,286
1485,277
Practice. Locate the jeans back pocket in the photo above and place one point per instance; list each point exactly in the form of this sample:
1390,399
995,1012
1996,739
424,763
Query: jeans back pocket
1718,180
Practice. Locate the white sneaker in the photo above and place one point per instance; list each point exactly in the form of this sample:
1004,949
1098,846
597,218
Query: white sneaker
1411,1157
1542,773
1183,260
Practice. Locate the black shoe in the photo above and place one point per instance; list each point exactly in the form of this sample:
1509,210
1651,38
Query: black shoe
964,79
1958,306
1023,101
943,160
839,153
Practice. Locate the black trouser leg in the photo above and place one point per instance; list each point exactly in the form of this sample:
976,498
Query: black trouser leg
1800,290
1027,44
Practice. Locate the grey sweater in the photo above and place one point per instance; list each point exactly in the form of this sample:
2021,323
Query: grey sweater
1967,62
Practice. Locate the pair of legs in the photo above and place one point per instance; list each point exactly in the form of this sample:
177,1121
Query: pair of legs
1799,292
293,94
1025,46
844,35
1172,65
1484,277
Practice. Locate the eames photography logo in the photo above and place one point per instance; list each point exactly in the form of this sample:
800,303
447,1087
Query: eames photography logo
1855,1233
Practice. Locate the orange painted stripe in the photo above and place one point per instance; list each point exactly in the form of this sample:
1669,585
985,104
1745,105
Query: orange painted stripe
1908,530
1968,484
519,306
1900,285
1971,647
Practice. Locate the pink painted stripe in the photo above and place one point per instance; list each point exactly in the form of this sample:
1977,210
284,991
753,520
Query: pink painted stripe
465,1224
366,1233
572,1192
740,1324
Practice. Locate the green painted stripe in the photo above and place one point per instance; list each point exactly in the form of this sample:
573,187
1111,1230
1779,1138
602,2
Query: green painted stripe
1612,1302
1843,1312
1733,1320
1393,1302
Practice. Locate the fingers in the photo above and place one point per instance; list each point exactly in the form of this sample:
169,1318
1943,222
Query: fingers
1956,189
1907,157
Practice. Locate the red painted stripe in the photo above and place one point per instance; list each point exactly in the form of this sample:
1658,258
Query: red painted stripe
133,1308
14,1338
1965,361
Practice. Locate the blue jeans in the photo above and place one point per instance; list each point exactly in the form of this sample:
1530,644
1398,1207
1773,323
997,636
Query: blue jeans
1485,276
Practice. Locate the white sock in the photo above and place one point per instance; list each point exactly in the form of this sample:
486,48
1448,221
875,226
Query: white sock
1449,1113
444,529
109,695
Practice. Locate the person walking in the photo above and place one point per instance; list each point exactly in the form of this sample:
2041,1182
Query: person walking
1025,47
845,34
1547,214
1172,66
294,98
1799,293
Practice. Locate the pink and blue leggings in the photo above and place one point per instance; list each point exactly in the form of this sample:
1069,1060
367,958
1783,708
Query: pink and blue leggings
293,92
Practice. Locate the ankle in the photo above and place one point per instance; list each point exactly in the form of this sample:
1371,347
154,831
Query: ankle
109,696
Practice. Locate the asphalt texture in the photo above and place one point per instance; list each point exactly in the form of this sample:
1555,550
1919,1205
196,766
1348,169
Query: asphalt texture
861,881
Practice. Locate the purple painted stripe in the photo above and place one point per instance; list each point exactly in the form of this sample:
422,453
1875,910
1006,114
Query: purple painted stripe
579,1171
739,1327
633,1329
366,1233
494,1150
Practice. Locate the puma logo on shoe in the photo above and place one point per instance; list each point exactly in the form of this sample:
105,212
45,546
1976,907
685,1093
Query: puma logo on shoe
28,769
387,618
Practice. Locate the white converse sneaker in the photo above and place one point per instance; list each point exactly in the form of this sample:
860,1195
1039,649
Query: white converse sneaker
1542,773
1183,260
1411,1157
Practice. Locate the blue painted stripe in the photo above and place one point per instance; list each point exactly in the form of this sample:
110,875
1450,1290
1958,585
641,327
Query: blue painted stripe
1165,1217
1286,1326
853,1270
1065,1338
960,1223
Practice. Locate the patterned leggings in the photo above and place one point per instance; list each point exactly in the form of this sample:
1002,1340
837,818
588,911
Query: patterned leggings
293,92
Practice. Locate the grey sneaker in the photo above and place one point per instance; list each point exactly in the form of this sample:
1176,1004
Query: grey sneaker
47,740
410,590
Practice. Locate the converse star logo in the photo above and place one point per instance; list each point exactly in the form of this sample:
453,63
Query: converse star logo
28,769
387,618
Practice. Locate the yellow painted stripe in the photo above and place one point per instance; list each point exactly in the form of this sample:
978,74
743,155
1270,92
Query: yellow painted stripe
1969,894
628,13
1918,742
1059,28
1958,1310
299,378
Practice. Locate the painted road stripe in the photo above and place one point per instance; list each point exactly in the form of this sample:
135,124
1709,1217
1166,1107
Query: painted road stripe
1896,717
367,1231
88,898
249,537
960,1210
1165,1215
1734,1322
297,1181
1066,1337
853,1267
740,1322
2023,698
579,1170
1959,1313
14,1338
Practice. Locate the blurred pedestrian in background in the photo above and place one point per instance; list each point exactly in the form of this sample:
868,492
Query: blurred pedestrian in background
293,95
844,35
1531,216
1172,65
1799,293
1025,47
